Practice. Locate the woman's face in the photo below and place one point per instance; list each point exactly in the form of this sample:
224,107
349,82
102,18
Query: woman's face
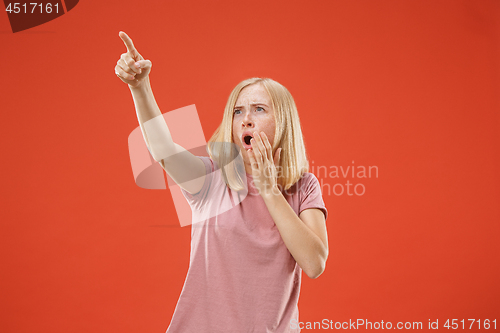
253,112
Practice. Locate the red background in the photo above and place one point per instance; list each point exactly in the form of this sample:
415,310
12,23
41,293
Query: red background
410,87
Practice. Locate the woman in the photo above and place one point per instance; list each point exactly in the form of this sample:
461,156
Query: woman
246,262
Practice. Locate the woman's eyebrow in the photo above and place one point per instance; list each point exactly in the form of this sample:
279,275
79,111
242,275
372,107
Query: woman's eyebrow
253,104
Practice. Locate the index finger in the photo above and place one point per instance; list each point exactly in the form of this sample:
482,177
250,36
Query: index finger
128,42
267,145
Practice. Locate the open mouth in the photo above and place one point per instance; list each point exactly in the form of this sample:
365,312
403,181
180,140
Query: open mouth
247,139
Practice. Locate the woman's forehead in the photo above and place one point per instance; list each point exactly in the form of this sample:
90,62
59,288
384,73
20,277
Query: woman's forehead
253,94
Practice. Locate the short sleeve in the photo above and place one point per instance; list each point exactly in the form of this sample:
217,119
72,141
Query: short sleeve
195,198
310,194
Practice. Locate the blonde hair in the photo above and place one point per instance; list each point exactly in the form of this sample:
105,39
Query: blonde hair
288,135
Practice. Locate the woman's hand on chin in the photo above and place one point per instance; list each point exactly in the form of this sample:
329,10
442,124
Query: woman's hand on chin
264,165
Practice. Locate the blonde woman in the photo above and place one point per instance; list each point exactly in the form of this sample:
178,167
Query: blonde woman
246,262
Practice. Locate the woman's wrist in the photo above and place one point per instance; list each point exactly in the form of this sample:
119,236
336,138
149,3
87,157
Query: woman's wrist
143,86
271,193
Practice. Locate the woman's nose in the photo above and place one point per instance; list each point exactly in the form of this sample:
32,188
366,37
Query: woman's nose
247,121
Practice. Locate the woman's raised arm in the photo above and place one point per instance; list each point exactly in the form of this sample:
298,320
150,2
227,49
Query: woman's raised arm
181,165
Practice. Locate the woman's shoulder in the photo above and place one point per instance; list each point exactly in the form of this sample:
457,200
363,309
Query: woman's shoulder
310,193
306,183
307,176
308,179
210,164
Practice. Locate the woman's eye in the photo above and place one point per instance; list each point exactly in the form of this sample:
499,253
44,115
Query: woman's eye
236,111
260,109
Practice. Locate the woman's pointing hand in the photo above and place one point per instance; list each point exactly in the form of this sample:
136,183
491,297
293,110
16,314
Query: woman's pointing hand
131,68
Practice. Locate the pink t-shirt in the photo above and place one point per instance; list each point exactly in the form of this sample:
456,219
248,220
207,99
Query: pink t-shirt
241,276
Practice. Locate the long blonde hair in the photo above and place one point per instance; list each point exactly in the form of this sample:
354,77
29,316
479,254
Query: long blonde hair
288,135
